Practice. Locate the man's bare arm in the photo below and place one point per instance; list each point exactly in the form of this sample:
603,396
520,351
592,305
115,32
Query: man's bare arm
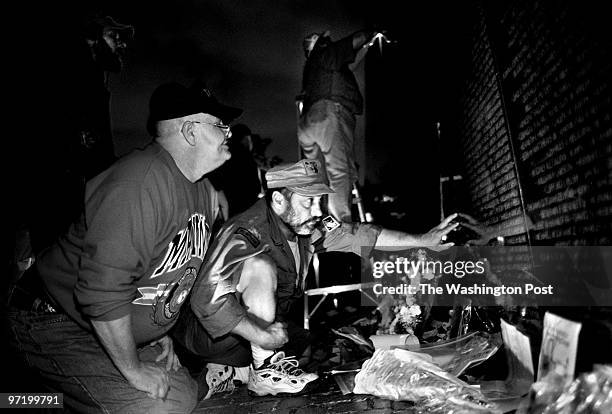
272,337
361,37
118,341
398,240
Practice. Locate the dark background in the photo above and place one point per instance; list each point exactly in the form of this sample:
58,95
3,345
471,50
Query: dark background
521,91
250,54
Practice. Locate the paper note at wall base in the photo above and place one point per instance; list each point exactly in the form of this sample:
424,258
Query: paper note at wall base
518,353
559,347
520,366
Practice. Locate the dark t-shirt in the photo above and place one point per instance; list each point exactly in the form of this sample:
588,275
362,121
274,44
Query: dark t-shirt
327,75
137,248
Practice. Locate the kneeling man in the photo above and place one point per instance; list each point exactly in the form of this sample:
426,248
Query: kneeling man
256,268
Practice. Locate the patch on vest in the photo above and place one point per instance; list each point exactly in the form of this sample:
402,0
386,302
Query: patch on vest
249,236
312,167
330,223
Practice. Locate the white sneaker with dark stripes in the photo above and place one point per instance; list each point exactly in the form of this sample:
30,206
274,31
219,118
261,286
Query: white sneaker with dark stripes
280,375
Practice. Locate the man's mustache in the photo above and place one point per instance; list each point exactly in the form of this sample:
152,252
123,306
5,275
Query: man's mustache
310,221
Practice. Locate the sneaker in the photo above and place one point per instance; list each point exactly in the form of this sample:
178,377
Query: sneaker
219,378
280,375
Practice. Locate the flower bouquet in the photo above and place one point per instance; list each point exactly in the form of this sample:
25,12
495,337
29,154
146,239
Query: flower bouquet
406,313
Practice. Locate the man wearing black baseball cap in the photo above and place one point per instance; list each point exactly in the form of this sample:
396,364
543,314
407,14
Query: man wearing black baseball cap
255,271
116,282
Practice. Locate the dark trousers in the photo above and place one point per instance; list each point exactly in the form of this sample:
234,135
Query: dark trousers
195,347
71,361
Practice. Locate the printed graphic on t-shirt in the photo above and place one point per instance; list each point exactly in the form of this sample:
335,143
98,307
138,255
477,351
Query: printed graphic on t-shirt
190,242
167,298
169,303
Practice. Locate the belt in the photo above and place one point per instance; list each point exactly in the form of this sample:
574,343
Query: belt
23,298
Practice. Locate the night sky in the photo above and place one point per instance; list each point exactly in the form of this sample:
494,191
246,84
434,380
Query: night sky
250,54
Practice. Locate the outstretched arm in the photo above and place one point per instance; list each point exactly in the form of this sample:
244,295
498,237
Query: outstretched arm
397,240
361,238
360,39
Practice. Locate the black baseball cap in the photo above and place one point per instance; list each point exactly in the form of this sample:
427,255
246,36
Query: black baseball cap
173,100
94,25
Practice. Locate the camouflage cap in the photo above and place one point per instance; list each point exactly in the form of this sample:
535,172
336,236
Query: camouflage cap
305,177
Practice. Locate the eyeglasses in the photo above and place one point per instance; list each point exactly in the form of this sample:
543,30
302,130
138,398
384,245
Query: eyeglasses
225,128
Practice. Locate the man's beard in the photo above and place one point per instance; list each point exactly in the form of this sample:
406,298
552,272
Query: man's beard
304,228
